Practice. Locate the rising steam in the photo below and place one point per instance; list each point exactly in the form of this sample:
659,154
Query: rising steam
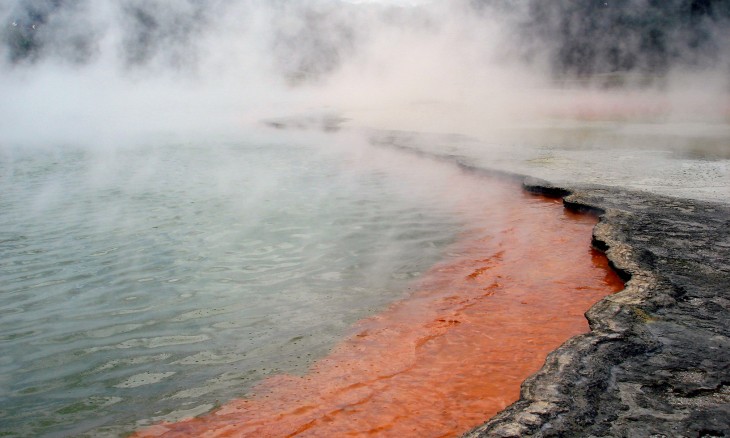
84,71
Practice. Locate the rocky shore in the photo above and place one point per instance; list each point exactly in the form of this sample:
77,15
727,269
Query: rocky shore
656,362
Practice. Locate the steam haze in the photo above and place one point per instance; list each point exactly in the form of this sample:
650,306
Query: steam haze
101,72
196,195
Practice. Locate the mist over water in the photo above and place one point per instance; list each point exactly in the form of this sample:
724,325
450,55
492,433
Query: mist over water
114,72
161,249
156,282
99,72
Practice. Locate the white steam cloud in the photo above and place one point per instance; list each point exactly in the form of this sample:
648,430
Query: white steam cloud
110,72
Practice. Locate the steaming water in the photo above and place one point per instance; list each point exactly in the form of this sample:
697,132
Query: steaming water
152,282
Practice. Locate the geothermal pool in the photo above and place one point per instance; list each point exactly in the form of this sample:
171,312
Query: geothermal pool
153,281
324,285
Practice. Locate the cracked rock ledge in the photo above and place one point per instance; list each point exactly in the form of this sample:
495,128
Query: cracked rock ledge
656,362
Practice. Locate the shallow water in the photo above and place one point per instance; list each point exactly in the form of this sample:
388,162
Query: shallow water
156,281
512,288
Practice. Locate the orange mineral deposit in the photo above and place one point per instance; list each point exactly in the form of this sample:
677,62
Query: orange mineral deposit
455,351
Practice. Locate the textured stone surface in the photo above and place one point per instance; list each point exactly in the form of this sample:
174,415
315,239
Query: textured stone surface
657,359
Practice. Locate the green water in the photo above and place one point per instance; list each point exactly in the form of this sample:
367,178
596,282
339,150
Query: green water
153,282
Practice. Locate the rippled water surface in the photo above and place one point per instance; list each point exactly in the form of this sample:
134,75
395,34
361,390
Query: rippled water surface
154,282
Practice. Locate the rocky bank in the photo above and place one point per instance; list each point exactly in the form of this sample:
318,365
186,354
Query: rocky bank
656,362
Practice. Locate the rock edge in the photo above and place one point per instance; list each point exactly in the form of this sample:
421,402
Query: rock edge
656,362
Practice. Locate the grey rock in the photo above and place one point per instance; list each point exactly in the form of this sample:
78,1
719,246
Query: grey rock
657,359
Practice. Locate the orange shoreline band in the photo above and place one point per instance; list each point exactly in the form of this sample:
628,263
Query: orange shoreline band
453,353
